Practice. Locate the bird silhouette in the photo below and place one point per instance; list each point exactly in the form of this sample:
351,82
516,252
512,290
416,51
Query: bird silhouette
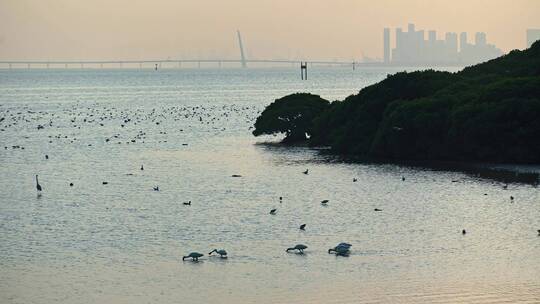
324,202
38,186
222,253
187,203
194,256
273,211
303,227
342,249
306,172
299,247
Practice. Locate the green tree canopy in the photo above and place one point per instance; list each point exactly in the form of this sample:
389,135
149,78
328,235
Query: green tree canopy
486,112
292,115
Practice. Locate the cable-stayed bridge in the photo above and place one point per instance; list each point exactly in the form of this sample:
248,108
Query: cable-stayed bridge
171,63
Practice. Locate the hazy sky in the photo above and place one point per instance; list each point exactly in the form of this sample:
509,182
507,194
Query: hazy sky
316,29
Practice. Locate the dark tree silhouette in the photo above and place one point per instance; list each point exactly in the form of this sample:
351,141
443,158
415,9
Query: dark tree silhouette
292,115
486,112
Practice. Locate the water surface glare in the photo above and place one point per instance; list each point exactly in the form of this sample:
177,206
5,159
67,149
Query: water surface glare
123,242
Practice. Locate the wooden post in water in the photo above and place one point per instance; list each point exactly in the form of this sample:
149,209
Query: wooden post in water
303,70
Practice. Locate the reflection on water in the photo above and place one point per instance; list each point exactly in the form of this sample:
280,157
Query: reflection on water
123,242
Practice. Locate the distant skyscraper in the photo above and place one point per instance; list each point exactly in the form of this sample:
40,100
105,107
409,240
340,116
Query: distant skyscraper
480,38
386,38
451,42
532,36
432,36
462,41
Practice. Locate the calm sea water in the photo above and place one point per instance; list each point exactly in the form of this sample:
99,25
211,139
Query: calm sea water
123,242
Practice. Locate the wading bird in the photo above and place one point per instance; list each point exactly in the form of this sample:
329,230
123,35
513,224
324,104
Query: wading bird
38,186
341,249
299,247
194,256
222,253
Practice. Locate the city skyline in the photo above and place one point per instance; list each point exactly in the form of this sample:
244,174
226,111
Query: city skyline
104,30
412,47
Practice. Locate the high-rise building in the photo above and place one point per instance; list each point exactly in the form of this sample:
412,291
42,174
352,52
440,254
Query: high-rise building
480,38
451,42
532,36
386,38
462,41
432,36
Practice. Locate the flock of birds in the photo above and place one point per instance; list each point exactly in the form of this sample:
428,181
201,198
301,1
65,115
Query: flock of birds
342,249
130,124
129,121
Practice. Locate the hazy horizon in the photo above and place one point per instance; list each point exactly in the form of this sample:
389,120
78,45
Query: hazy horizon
346,29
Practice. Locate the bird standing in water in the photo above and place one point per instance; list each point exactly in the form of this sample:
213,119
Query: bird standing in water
194,256
299,247
222,253
38,186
